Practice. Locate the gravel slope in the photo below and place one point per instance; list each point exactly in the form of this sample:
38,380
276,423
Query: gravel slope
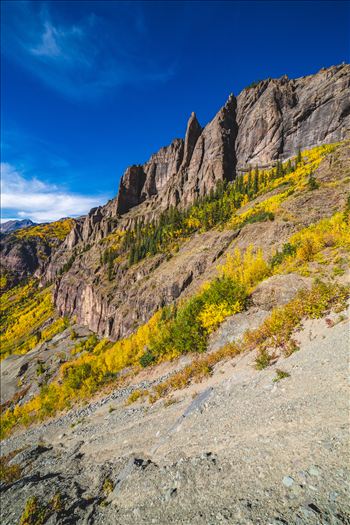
237,449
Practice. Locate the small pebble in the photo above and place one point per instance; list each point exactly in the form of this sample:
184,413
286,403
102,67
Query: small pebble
314,471
287,481
333,496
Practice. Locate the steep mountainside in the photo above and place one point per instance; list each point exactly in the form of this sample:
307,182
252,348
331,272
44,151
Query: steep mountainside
179,354
265,123
25,250
114,303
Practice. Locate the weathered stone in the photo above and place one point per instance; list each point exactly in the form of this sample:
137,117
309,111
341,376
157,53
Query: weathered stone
278,290
279,116
267,122
287,481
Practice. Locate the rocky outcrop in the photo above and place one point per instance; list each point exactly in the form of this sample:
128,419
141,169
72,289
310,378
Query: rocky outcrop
21,258
279,116
213,158
115,308
192,135
265,123
186,169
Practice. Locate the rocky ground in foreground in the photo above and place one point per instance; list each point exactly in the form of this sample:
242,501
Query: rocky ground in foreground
239,448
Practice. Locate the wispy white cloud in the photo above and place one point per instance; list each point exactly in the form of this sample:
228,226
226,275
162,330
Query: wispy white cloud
48,46
81,59
40,201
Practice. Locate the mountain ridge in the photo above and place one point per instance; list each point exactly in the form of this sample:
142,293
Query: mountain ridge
265,123
15,224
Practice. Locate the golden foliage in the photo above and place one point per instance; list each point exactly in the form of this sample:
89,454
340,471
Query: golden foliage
27,318
332,234
247,268
213,315
48,232
3,281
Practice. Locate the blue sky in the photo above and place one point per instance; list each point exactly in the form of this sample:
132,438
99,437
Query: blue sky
89,88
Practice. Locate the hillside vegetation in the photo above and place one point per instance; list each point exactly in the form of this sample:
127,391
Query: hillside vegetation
48,232
219,209
27,318
186,326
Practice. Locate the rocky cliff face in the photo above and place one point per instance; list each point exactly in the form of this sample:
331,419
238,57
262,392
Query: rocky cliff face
20,258
266,122
186,169
279,116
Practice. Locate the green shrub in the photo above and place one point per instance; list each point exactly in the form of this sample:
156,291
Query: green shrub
75,376
287,250
147,359
225,289
263,359
35,513
107,486
73,334
312,183
280,374
40,369
261,216
186,332
182,328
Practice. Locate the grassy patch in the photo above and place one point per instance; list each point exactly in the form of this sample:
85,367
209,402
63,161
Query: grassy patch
37,513
9,473
199,369
275,333
135,395
107,486
280,374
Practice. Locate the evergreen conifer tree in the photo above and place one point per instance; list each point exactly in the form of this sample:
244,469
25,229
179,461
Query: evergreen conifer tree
256,180
299,158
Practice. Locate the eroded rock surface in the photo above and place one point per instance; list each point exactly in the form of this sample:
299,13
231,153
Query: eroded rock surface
279,116
267,122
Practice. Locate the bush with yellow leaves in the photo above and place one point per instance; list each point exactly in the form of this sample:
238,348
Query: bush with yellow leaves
247,268
308,244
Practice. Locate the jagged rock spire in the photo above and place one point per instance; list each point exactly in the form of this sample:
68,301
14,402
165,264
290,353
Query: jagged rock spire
193,132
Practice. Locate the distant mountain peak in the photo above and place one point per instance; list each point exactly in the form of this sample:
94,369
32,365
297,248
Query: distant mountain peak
15,224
